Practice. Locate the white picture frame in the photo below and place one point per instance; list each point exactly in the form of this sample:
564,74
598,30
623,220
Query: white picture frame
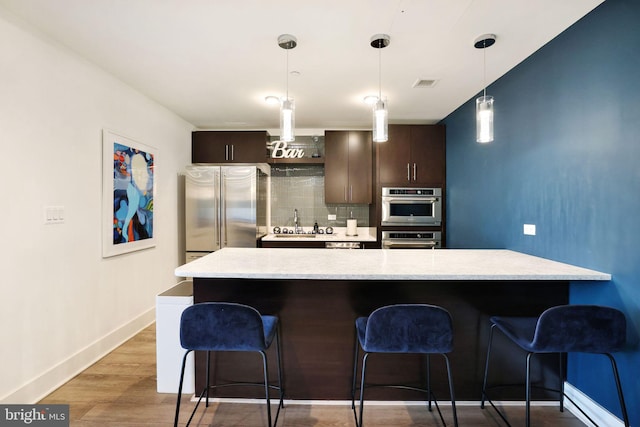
128,194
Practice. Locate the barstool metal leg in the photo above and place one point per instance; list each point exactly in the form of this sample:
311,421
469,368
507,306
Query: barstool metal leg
429,380
266,386
206,403
561,388
484,396
280,387
616,376
184,362
528,391
364,369
451,392
279,362
355,373
486,367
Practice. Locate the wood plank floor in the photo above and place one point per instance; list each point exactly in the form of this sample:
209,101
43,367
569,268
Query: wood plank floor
120,390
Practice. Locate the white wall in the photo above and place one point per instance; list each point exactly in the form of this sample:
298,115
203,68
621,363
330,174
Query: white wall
62,305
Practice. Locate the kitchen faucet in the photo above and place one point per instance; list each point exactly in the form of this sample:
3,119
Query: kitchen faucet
295,221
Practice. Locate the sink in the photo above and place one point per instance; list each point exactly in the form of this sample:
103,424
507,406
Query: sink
289,236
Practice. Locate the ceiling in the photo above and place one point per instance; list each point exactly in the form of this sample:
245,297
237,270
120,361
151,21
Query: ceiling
213,62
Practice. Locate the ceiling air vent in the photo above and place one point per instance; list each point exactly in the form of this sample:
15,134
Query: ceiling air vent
424,83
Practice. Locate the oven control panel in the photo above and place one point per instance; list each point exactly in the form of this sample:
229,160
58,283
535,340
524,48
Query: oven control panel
411,239
403,191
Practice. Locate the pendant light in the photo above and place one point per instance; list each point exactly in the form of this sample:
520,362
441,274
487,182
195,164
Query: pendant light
287,106
484,103
380,113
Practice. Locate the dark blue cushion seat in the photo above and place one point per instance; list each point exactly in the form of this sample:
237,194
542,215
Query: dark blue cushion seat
566,329
404,328
224,326
563,329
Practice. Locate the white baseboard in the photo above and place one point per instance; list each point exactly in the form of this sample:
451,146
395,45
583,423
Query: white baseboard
443,403
53,378
312,402
600,415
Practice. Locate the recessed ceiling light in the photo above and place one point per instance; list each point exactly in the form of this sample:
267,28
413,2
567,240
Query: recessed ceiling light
370,99
272,100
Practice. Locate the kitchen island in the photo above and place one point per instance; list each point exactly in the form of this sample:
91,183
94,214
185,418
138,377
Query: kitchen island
318,293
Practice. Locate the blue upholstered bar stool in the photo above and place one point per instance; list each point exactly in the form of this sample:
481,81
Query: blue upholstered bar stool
218,326
404,328
563,329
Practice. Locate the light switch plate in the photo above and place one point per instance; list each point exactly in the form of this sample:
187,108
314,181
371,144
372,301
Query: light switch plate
331,217
529,229
54,214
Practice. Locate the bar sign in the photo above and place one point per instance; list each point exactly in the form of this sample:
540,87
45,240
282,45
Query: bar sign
34,415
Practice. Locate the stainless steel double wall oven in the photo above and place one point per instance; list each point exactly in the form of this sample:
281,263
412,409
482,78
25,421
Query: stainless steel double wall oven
411,207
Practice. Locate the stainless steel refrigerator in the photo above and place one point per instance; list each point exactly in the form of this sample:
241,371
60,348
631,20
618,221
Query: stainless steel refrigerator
224,206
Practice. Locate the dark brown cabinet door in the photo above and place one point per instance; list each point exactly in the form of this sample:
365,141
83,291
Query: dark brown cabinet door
394,156
414,155
229,146
428,156
347,167
360,164
336,166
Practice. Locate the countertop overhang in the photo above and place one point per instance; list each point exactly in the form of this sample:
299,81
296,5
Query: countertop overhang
383,264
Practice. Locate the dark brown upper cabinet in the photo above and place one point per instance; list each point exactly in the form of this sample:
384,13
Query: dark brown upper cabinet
229,146
348,167
414,155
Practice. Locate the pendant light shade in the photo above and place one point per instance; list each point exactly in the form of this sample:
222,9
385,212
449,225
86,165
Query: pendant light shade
287,120
380,121
287,106
484,103
380,113
484,119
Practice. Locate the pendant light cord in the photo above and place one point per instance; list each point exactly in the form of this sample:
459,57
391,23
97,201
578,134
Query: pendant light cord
379,74
287,72
484,66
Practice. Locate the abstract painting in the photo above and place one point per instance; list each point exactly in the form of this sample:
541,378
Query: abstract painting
129,182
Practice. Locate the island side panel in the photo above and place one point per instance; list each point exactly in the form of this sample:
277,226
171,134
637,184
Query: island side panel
317,325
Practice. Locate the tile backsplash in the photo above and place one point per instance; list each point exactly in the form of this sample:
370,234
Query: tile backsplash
301,187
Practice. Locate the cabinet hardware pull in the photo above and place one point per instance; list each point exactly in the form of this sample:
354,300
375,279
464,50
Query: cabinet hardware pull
408,172
414,172
232,152
345,194
351,193
226,151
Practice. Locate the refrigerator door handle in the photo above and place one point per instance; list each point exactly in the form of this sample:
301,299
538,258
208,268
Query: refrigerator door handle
223,209
218,210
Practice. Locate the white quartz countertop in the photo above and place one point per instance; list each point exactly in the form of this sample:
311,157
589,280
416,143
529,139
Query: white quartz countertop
382,264
363,234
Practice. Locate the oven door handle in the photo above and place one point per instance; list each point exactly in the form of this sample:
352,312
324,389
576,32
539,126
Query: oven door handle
411,200
387,244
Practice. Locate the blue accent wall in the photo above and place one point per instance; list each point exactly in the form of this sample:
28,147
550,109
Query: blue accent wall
566,157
